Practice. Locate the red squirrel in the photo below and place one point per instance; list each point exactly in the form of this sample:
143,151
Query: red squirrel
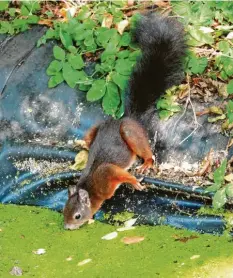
115,143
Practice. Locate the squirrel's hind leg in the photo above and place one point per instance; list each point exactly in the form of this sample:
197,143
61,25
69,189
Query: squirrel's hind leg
136,138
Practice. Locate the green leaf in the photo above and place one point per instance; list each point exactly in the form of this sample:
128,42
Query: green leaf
54,67
89,40
70,75
165,114
4,5
33,19
224,47
120,80
229,190
220,173
174,108
199,38
197,65
123,54
72,49
12,11
212,188
5,27
59,53
230,87
84,13
134,55
111,99
219,198
124,66
97,90
24,10
55,80
76,61
66,39
230,111
125,39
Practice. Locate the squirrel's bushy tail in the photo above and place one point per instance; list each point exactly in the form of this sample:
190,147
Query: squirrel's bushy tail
163,46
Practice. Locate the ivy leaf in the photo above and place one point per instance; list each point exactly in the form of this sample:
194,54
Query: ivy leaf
120,80
111,99
229,190
220,173
70,75
54,67
97,90
66,39
76,61
59,53
219,198
212,188
55,80
230,87
4,5
230,111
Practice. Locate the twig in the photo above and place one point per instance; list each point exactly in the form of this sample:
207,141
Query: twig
188,101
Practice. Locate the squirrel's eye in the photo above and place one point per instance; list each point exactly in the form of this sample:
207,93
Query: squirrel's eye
77,216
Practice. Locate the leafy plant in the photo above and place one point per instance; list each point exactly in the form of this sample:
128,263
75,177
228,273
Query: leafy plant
115,57
20,19
167,104
222,190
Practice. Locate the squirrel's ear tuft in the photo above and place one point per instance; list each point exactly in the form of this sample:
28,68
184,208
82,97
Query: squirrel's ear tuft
71,190
84,197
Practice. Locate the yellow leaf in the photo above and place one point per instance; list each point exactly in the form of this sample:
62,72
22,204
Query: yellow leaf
80,160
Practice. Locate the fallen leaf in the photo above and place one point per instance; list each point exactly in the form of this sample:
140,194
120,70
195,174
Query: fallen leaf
110,236
69,259
130,3
80,143
133,239
16,271
84,262
130,222
80,160
107,21
122,25
194,257
47,22
229,178
184,239
206,30
40,251
230,36
122,229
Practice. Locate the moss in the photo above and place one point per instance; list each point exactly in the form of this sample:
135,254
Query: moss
24,229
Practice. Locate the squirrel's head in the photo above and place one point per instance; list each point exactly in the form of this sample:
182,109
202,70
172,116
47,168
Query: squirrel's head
77,210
